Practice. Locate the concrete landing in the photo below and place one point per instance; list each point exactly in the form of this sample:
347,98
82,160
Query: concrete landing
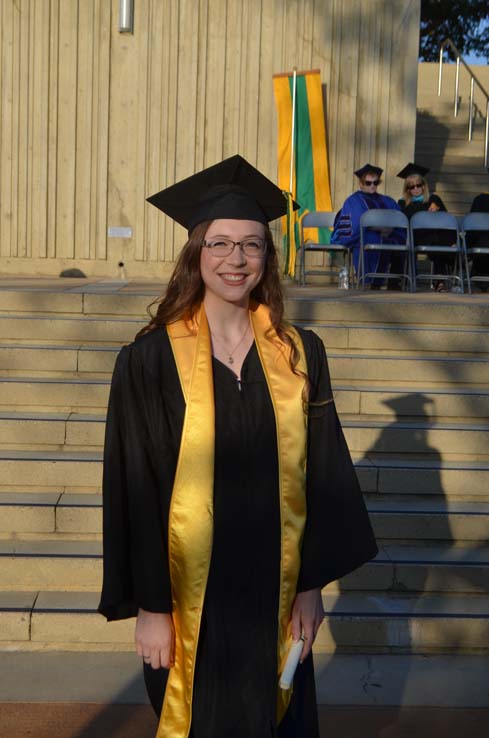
19,720
376,680
61,695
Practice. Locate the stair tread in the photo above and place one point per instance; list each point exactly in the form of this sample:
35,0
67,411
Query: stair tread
355,604
36,455
430,507
389,553
407,605
348,421
51,548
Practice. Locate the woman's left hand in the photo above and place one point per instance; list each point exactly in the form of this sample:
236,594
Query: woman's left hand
307,616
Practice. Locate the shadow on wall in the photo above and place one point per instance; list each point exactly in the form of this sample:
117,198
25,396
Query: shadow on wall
431,144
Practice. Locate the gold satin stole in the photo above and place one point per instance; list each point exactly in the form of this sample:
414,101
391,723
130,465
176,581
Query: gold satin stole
191,510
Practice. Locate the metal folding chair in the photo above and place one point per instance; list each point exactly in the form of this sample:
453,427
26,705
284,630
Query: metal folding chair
320,219
439,221
472,223
379,219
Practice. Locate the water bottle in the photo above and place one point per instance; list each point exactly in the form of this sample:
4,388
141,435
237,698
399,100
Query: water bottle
343,279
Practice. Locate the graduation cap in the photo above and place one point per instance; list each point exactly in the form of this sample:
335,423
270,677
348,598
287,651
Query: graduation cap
412,169
231,189
368,168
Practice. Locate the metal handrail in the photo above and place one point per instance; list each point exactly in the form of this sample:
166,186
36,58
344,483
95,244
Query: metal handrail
473,79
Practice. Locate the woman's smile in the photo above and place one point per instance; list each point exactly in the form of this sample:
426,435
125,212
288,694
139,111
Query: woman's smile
232,277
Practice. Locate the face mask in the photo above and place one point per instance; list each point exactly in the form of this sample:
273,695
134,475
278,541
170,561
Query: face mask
417,198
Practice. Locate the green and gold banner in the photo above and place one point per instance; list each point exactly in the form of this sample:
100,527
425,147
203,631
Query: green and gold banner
302,138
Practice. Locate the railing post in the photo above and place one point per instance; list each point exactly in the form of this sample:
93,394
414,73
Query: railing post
440,71
486,140
471,108
457,77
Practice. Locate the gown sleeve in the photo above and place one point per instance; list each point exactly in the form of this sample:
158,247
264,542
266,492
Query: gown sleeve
338,537
346,230
135,567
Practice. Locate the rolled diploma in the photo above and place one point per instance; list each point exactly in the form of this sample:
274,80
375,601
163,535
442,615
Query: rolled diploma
291,664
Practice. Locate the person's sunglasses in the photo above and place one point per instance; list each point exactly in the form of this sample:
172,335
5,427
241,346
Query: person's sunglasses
415,186
370,182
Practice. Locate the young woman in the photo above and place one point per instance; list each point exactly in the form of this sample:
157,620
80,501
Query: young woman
415,191
415,198
230,498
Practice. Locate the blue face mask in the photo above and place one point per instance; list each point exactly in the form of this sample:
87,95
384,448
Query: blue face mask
417,198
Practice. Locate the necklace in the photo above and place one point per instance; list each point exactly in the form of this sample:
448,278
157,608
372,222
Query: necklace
230,358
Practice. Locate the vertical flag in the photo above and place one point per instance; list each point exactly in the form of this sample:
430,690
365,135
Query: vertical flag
302,138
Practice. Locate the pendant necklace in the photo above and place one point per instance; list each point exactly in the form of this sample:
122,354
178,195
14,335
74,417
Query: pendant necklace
230,358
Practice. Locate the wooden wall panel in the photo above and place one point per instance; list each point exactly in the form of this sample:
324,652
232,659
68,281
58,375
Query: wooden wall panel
93,121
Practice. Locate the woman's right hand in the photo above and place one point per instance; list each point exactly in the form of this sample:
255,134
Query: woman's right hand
155,638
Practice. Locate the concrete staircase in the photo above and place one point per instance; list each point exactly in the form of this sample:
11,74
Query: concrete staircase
457,165
410,376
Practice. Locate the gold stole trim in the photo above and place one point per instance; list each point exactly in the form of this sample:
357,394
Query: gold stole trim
191,511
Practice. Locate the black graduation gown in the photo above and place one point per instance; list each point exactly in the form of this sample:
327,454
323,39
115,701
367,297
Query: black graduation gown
235,679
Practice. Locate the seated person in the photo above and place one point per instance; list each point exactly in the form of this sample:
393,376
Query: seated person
347,222
415,198
479,239
415,192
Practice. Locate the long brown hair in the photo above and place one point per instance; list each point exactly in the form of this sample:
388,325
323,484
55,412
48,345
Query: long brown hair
185,291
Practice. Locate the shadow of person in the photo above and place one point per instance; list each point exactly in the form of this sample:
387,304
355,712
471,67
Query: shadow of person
374,612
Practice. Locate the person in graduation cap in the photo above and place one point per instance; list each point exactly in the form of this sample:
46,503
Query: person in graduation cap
347,223
416,197
480,239
230,498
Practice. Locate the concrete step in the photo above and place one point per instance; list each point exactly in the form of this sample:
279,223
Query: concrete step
75,431
423,476
437,368
37,469
455,133
54,394
74,329
50,512
355,621
433,519
51,565
366,397
430,148
73,565
98,361
403,401
17,357
119,316
82,471
453,164
339,332
53,430
384,683
406,338
408,518
424,623
336,334
316,306
425,435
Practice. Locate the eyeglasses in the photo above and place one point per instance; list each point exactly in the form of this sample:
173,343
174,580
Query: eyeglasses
418,185
251,247
370,182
